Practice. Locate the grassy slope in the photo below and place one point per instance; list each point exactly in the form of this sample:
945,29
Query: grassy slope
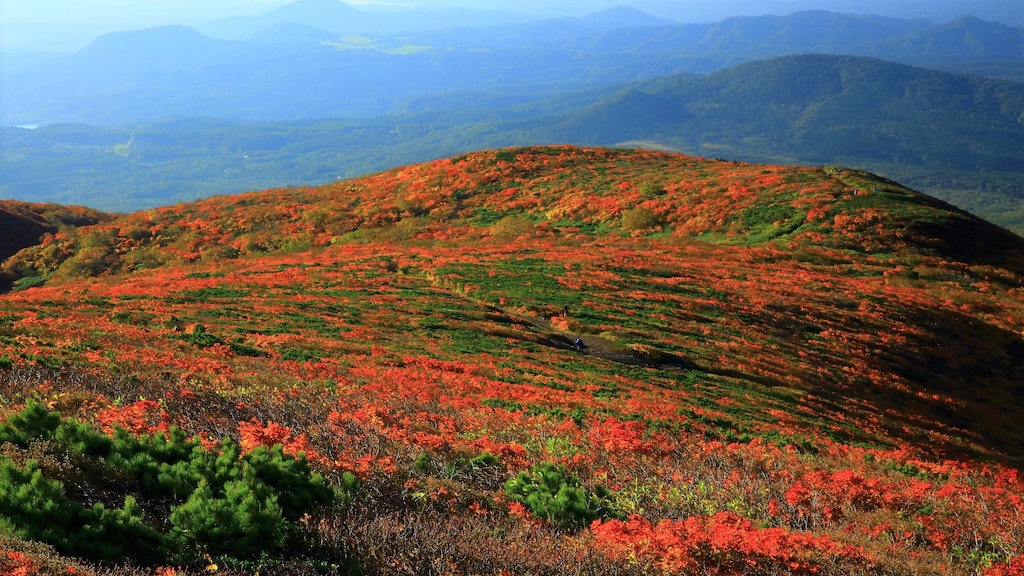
828,323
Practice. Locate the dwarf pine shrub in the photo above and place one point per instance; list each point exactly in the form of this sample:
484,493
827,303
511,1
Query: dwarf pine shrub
62,482
554,495
242,519
38,509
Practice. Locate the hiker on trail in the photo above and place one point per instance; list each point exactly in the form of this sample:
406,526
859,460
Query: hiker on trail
579,344
565,311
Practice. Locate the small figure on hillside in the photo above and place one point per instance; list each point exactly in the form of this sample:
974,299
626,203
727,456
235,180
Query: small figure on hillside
579,344
565,311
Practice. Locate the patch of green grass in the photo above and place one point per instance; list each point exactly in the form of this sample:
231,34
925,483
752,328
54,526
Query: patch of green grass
208,294
299,355
523,280
590,228
767,222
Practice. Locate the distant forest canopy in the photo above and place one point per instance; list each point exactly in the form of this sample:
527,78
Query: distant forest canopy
953,136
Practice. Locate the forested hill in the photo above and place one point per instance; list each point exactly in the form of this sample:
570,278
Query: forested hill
821,107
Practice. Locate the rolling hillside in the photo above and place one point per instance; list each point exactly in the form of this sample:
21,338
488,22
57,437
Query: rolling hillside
803,370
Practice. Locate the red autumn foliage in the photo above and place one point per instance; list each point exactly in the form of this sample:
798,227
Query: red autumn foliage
723,543
789,375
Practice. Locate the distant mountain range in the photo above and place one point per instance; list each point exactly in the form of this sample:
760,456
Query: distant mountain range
819,108
68,25
341,18
292,65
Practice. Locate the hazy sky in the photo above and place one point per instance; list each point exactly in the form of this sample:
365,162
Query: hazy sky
67,25
197,11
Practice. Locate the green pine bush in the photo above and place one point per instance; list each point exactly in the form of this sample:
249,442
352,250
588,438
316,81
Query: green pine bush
242,520
554,495
40,510
184,501
35,422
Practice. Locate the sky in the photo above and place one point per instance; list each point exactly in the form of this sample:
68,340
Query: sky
197,11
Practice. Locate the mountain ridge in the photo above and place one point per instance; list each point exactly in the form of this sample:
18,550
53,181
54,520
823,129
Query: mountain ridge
381,210
460,59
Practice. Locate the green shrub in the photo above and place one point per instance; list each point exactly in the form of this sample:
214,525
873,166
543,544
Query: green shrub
512,227
554,495
35,422
298,488
485,460
422,463
39,509
299,355
240,348
200,338
32,281
639,218
241,519
184,501
651,189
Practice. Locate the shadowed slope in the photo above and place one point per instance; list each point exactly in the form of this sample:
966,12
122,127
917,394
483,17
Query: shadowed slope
25,224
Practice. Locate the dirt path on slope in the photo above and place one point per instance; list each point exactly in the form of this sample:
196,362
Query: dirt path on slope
594,345
603,348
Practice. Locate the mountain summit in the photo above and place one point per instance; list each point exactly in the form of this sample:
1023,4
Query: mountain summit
319,13
622,17
329,15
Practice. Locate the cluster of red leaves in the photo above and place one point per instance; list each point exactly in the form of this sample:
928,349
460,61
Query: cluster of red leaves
17,563
1014,567
140,417
967,507
254,434
721,544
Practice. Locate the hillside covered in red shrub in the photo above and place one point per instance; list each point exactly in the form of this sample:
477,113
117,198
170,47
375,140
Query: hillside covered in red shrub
783,370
